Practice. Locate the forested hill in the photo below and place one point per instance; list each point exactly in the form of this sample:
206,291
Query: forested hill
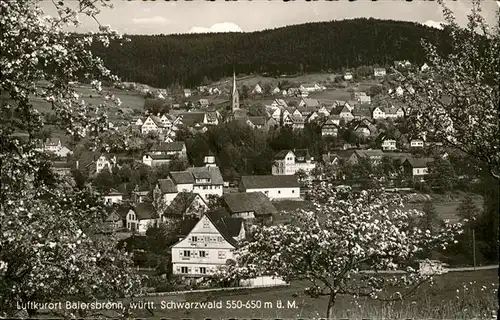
162,60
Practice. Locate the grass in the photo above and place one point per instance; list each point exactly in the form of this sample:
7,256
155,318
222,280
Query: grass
457,295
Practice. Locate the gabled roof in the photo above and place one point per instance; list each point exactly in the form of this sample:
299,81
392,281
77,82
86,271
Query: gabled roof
281,154
269,181
181,203
419,162
258,120
398,155
169,146
227,226
186,226
249,201
156,120
53,142
329,123
281,102
145,211
215,175
308,102
181,177
123,210
192,118
167,186
369,153
301,153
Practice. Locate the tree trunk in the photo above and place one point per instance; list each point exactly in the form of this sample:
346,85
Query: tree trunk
331,303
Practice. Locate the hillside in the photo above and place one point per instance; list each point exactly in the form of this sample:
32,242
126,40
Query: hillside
193,59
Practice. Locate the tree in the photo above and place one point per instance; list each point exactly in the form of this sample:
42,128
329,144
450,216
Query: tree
244,92
301,175
430,219
467,210
333,245
457,99
441,175
257,110
375,90
51,243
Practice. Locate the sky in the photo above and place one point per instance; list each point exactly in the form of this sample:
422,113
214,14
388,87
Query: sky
198,16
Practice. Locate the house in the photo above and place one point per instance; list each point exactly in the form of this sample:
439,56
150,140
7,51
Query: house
253,207
114,221
105,162
310,103
53,145
323,112
288,162
258,122
329,128
186,204
389,145
209,160
177,148
257,89
416,167
62,168
416,143
209,244
152,160
166,190
374,156
424,67
141,216
379,72
113,196
394,112
187,93
275,187
203,103
362,112
293,121
378,113
330,158
399,91
202,180
276,91
348,76
190,119
345,114
303,93
279,103
361,97
152,124
310,87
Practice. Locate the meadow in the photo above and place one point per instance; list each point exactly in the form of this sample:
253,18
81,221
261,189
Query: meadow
455,295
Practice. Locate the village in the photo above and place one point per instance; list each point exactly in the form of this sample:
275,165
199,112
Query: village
214,215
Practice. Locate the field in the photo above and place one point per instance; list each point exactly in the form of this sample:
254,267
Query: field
457,295
129,99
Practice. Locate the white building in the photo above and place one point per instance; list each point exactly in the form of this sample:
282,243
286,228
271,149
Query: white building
416,143
257,89
288,162
389,145
274,187
379,72
152,124
202,180
113,196
140,217
105,162
209,243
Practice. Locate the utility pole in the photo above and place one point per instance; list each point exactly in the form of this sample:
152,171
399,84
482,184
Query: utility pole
474,247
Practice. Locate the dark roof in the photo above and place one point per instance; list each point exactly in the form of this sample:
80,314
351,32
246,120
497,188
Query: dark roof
369,153
269,181
228,227
186,226
161,156
113,192
419,162
202,175
258,121
281,155
398,155
302,155
192,118
61,165
249,201
156,120
123,210
53,142
181,203
181,177
214,172
170,146
167,186
145,210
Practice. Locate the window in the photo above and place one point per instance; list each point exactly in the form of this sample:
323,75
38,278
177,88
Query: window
194,239
203,270
206,224
202,254
222,255
184,269
293,191
279,191
220,239
187,253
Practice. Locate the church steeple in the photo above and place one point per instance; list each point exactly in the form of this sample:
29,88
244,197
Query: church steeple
235,105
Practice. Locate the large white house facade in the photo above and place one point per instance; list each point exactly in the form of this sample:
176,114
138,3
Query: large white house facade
274,187
207,246
287,162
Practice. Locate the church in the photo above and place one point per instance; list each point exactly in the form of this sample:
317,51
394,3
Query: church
236,111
